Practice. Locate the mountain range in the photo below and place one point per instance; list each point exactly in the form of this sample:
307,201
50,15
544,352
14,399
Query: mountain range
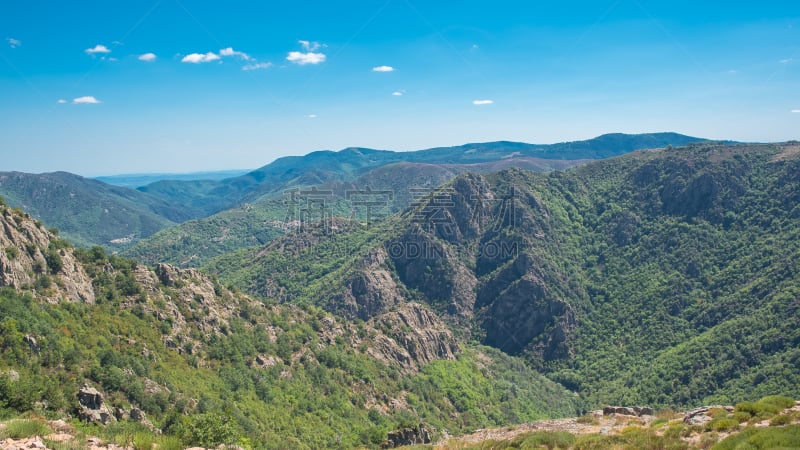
90,212
480,294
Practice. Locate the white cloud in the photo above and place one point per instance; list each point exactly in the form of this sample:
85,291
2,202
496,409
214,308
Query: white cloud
197,58
785,61
482,102
383,69
796,111
61,101
305,58
257,66
99,48
231,52
310,46
85,100
397,93
148,57
13,43
312,116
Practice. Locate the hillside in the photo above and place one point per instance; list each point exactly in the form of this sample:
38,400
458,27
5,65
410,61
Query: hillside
664,277
92,337
394,187
87,211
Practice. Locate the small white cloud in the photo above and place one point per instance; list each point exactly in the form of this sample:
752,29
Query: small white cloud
197,58
231,52
383,69
99,48
785,61
796,111
305,58
482,102
397,93
13,43
733,71
474,47
257,66
148,57
312,116
85,100
61,101
310,46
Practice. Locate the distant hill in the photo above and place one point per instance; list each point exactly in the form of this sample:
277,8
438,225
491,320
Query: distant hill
262,211
87,211
94,213
143,179
206,198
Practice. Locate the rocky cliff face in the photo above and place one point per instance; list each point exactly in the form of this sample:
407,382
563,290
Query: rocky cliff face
410,337
370,290
35,260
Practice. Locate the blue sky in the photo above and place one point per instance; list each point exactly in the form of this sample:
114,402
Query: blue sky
97,87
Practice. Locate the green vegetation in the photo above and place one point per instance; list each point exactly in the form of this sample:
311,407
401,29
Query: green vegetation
24,428
314,393
762,438
670,274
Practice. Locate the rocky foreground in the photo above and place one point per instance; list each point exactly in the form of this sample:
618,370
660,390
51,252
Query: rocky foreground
699,428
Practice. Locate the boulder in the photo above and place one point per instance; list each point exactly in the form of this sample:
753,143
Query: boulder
419,434
92,408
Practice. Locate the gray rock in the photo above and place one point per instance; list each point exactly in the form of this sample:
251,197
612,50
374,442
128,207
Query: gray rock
408,436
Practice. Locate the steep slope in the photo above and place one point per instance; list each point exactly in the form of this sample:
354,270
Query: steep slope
106,339
663,277
88,211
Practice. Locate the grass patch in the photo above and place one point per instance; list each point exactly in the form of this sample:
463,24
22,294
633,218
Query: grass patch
24,428
762,438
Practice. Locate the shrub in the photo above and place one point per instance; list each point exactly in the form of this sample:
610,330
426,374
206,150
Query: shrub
783,419
12,252
723,424
54,261
208,430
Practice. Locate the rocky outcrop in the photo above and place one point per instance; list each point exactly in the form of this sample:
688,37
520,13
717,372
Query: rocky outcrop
32,260
527,314
419,434
637,411
700,416
91,407
369,291
410,337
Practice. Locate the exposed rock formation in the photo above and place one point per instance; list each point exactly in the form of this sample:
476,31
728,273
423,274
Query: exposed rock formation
29,261
91,407
419,434
699,416
369,291
410,337
628,410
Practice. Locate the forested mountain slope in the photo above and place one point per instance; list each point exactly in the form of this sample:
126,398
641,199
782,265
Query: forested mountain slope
665,277
174,350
